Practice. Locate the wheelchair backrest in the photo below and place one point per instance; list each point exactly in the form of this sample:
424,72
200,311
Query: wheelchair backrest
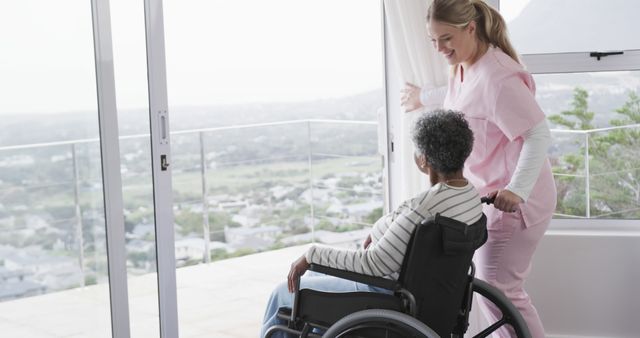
435,268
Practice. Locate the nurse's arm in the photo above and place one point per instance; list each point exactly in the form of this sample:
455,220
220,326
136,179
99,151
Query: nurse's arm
532,157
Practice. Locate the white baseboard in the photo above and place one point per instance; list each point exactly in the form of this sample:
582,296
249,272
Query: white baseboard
573,336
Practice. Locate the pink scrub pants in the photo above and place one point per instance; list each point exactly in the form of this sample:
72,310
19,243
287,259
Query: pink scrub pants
505,262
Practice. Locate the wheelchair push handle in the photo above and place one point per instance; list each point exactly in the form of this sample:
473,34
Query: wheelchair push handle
488,200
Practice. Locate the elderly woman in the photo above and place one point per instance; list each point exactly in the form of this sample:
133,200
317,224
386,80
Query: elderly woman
443,141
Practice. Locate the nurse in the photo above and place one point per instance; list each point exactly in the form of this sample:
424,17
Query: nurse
509,162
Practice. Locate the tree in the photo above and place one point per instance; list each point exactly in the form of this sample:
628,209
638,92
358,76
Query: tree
613,162
580,118
620,153
373,216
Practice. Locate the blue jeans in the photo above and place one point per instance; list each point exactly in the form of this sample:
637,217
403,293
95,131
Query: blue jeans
281,297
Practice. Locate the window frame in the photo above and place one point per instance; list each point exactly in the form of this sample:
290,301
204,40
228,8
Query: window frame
579,62
111,177
583,62
541,63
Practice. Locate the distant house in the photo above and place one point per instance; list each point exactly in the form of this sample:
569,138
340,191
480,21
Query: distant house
318,195
245,221
141,231
16,284
350,239
255,238
65,277
250,216
140,256
280,191
35,225
362,209
301,238
140,246
55,272
287,203
235,204
331,182
336,207
194,248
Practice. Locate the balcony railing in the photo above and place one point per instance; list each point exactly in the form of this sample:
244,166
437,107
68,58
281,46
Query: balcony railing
312,174
40,174
607,161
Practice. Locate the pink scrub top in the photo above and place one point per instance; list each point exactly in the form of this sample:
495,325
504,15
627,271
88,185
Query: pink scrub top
497,97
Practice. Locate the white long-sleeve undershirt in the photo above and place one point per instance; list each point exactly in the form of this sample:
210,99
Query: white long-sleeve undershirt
532,157
433,96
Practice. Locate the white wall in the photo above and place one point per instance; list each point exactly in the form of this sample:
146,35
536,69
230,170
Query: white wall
585,280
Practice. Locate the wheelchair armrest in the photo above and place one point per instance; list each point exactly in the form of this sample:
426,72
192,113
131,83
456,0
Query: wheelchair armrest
380,282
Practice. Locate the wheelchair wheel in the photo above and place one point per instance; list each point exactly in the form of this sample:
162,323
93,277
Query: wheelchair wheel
379,323
510,315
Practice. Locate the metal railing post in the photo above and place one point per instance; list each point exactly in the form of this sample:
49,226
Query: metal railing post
587,184
205,204
78,212
310,156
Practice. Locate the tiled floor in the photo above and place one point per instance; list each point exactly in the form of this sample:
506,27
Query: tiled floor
224,299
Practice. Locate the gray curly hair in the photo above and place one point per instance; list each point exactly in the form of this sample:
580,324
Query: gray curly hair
444,137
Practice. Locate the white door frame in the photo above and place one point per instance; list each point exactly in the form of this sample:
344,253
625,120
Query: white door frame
110,160
161,169
112,181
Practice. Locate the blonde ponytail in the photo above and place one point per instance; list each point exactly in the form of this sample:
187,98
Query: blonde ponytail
491,27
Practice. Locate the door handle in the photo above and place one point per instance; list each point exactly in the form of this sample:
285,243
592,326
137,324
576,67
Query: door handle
164,164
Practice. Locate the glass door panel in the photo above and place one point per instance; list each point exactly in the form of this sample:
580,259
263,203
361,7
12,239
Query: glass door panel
274,117
53,258
130,70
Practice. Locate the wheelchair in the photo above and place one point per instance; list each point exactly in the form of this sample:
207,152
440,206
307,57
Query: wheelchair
431,298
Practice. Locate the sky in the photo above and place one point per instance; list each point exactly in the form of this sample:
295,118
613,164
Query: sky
217,52
46,62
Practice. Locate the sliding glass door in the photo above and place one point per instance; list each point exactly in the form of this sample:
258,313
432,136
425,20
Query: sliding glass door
273,144
54,222
131,82
77,255
274,114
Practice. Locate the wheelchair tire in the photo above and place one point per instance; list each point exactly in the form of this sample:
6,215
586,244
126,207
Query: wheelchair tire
510,315
402,324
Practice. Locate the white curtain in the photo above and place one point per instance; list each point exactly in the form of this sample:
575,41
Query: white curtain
418,63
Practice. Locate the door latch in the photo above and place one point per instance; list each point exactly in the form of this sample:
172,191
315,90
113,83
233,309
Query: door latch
599,55
164,164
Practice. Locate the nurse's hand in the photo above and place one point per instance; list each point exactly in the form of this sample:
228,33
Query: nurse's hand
410,99
505,200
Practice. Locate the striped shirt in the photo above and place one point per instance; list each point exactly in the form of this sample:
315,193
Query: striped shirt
391,233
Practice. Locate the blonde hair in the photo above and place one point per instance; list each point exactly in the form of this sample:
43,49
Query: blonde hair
490,26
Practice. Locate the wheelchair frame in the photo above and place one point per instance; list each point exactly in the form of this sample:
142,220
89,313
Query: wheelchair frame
406,320
438,265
